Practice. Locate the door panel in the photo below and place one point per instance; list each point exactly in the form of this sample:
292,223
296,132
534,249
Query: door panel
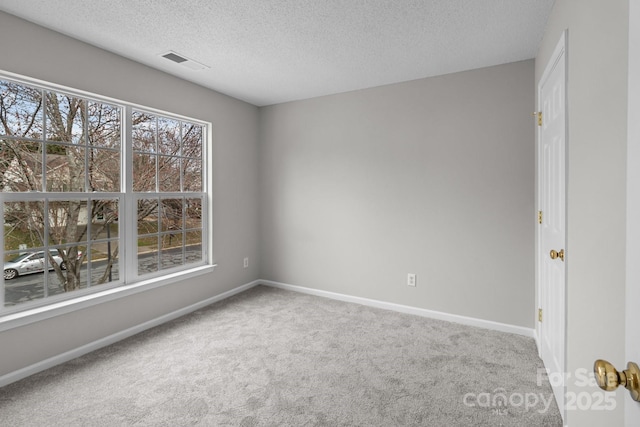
552,232
632,325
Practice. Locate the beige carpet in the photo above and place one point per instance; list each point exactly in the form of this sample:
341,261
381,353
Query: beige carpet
269,357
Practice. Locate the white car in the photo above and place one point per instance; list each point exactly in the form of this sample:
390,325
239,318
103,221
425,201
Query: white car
30,262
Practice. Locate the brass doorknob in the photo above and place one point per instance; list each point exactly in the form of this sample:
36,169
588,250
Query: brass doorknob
555,254
608,378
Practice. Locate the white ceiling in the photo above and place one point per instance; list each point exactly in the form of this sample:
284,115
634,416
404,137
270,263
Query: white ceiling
272,51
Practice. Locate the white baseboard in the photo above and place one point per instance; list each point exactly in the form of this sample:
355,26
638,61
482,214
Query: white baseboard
480,323
118,336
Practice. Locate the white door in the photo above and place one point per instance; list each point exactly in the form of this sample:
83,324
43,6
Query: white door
632,329
552,230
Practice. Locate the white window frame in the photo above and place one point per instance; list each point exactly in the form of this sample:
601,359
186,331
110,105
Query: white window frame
130,282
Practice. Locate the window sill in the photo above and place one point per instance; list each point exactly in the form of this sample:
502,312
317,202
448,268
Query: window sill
23,318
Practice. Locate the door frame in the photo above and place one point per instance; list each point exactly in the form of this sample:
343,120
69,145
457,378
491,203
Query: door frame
561,49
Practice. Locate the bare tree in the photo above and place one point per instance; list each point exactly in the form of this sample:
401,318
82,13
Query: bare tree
48,139
56,143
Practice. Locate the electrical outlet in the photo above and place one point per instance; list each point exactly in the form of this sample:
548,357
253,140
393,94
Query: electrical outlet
246,262
411,279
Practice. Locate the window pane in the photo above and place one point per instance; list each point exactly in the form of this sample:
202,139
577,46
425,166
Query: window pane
104,262
104,219
104,170
20,166
144,132
193,213
169,173
171,216
171,255
191,140
144,173
67,221
72,272
66,169
147,255
104,125
193,248
23,288
23,225
192,169
20,110
168,136
147,216
64,118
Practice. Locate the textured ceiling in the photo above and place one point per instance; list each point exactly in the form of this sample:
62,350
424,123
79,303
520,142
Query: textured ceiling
273,51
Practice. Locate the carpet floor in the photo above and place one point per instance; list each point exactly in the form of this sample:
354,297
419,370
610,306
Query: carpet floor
268,357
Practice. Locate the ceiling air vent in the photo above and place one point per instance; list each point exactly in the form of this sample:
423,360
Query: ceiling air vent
182,60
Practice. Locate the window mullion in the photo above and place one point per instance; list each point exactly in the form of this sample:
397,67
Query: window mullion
87,188
181,158
159,225
157,156
43,142
46,247
3,254
129,206
85,130
184,228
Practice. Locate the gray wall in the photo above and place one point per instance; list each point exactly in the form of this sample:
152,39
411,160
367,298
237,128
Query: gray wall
433,177
596,186
36,52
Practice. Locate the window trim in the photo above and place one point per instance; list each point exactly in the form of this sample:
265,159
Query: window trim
70,305
37,310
